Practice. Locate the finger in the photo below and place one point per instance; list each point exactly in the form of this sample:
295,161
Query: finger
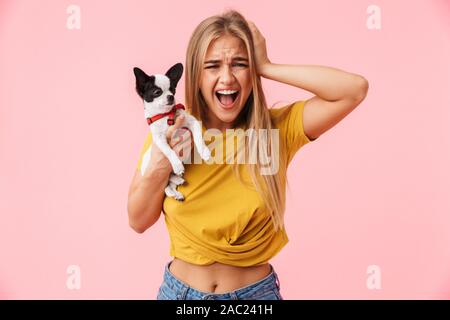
185,152
187,143
183,139
178,122
177,149
179,146
175,141
187,134
179,136
178,140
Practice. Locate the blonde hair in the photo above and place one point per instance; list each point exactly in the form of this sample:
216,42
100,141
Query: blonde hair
255,114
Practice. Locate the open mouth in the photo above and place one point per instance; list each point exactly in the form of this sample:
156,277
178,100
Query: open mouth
227,100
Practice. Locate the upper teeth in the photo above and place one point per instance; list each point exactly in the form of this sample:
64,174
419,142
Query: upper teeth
227,91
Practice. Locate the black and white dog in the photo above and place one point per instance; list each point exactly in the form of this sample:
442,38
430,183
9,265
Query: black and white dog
160,110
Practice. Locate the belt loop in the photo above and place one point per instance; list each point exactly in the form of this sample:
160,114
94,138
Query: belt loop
277,281
181,295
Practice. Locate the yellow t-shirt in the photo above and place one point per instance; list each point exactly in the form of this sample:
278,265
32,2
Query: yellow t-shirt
222,220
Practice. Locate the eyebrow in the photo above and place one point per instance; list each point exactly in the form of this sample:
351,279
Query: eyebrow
234,59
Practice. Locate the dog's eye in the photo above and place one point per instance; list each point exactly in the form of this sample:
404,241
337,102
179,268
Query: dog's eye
157,92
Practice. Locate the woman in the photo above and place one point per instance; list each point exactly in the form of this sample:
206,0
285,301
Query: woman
231,222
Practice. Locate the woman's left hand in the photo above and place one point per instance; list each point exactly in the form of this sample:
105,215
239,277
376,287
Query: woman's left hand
260,48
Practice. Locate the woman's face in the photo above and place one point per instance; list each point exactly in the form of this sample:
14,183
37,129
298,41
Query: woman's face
225,67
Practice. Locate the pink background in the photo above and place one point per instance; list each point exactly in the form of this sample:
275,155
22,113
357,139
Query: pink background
374,190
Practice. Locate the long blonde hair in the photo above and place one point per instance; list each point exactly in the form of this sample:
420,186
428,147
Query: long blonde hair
255,114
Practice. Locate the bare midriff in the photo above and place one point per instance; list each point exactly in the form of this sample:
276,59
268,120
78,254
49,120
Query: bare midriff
217,277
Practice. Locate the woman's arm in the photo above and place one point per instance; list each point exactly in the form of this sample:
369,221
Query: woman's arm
337,93
145,197
328,83
146,193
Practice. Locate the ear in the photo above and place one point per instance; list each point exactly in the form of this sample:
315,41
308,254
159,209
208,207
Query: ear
141,80
174,73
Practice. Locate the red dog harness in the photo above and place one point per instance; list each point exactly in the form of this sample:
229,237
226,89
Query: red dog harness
170,114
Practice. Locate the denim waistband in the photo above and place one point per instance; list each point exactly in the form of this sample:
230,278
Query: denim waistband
180,286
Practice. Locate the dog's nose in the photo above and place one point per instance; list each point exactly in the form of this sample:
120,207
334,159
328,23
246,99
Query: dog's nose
170,99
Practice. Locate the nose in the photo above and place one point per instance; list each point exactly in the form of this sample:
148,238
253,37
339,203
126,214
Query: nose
226,76
170,99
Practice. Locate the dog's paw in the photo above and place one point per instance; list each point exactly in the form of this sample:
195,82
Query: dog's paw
176,179
206,153
169,192
178,196
178,168
172,193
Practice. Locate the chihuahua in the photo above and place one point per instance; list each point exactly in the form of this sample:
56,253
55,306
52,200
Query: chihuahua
157,92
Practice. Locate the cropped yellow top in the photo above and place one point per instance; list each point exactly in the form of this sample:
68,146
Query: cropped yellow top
222,220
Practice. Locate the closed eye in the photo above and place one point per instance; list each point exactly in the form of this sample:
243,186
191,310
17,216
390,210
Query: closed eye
237,64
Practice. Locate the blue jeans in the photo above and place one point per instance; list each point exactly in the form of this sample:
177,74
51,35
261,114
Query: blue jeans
172,288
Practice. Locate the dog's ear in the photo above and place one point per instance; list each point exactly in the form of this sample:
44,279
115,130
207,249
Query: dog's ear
141,80
174,74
